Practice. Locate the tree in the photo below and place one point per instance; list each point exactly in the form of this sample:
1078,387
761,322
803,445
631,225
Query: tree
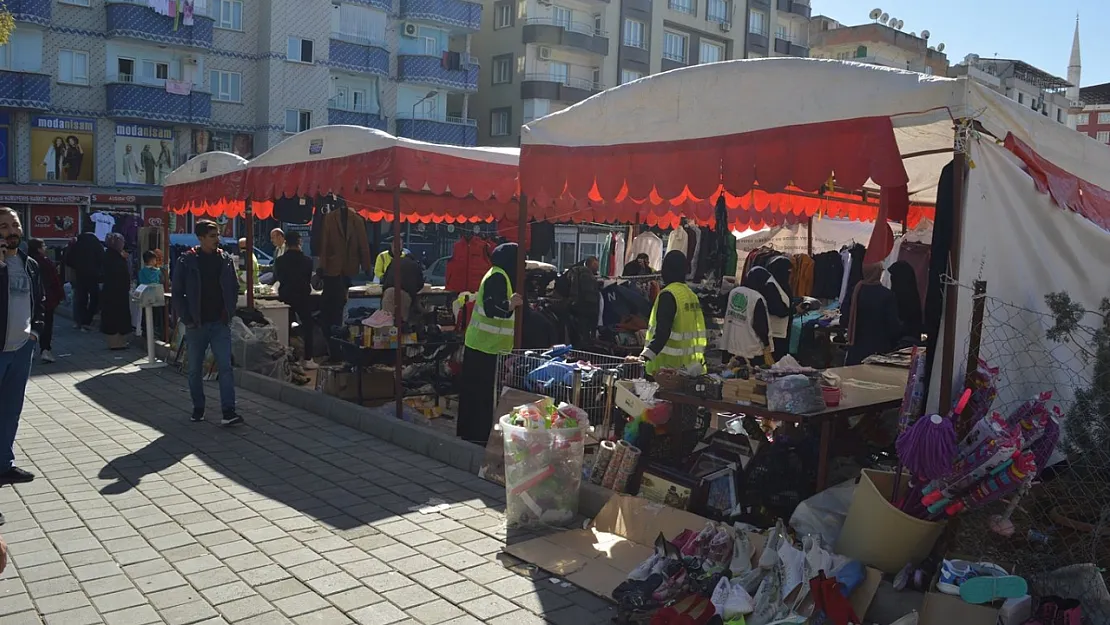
7,23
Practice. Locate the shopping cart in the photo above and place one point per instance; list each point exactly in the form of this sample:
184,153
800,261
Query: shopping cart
589,388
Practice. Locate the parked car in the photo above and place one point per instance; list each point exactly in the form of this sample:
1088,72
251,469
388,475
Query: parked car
436,273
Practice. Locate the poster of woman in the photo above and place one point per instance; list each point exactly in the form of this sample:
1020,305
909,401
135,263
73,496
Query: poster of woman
63,149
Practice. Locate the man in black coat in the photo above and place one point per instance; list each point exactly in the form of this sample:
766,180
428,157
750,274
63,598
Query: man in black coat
87,260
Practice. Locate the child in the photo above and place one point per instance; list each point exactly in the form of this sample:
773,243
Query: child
150,273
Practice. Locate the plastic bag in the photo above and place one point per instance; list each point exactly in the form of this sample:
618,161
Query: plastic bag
730,599
768,605
543,471
794,394
824,513
741,553
257,349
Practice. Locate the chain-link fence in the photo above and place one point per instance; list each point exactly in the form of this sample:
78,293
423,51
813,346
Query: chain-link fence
1064,518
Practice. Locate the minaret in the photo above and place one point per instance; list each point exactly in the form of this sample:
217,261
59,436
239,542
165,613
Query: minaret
1075,70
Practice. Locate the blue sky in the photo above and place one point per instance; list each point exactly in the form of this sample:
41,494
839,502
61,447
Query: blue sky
1038,32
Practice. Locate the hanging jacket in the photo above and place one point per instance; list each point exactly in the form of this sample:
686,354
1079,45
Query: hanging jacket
468,265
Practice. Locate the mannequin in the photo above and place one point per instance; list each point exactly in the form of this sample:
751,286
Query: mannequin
344,252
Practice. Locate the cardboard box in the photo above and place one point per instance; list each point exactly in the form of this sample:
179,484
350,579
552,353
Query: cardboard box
338,381
627,400
942,609
384,338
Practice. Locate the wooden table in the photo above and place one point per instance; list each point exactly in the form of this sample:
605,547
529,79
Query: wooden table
866,389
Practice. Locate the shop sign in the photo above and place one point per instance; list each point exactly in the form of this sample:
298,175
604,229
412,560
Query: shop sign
63,149
100,198
22,198
51,221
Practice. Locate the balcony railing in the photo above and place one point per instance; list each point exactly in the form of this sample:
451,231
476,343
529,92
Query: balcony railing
342,105
31,11
358,39
548,86
450,130
385,5
366,58
459,14
24,90
794,8
585,28
342,115
128,18
568,81
682,6
430,70
631,43
553,32
674,56
135,100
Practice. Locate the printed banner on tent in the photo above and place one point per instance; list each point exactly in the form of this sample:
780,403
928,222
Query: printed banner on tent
144,154
52,221
63,149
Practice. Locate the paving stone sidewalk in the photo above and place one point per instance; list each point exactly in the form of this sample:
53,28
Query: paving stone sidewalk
139,516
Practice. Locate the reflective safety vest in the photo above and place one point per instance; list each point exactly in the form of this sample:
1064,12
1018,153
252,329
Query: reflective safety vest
687,342
490,335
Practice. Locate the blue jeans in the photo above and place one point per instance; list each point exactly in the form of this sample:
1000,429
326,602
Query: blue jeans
15,368
197,340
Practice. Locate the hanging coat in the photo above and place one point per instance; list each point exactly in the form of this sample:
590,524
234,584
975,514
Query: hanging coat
470,260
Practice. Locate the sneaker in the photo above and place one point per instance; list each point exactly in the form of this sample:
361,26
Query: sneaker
310,365
953,573
15,475
198,416
230,419
47,356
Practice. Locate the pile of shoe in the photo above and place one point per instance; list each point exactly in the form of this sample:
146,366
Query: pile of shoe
979,582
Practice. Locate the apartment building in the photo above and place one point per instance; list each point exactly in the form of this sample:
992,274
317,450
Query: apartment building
541,56
1093,118
101,99
876,44
1027,85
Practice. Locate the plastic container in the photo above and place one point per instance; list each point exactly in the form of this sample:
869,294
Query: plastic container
543,471
879,534
831,395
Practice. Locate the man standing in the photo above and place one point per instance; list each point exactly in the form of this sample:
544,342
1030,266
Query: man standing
22,304
205,290
277,237
86,259
293,275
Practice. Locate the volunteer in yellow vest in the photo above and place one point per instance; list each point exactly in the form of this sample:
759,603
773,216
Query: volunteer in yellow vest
488,335
676,331
382,262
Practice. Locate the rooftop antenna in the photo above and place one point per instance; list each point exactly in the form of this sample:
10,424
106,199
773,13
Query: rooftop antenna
875,14
884,18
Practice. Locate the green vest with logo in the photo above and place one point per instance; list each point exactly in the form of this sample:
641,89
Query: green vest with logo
490,335
686,344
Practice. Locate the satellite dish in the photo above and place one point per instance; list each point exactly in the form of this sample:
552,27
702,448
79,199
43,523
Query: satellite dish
900,24
925,34
875,13
884,18
913,34
940,47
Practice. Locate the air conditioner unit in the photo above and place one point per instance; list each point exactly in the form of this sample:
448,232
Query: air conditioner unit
725,27
545,53
408,29
191,60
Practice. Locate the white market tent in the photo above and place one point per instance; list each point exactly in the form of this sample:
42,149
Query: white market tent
758,127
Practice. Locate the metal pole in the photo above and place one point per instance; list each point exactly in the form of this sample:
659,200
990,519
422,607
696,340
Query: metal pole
975,340
522,235
396,268
248,214
166,272
948,354
809,237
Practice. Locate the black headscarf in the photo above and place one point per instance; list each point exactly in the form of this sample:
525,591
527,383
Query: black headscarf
674,267
903,283
756,278
504,257
780,269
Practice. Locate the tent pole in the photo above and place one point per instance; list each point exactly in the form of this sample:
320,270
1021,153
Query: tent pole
398,366
521,237
809,237
948,360
165,272
248,214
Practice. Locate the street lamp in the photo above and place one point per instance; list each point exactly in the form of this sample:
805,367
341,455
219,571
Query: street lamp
430,95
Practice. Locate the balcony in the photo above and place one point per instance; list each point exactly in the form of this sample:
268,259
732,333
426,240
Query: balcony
23,90
451,131
559,88
384,5
761,4
457,14
430,70
31,11
132,100
578,35
129,18
358,54
757,41
347,115
683,6
799,8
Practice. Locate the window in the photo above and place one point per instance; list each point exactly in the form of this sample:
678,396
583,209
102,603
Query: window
1103,136
559,71
73,67
674,46
628,75
1083,119
843,56
125,69
79,3
299,50
503,15
595,75
359,100
633,33
229,14
757,23
599,23
535,109
226,86
430,45
5,57
709,52
297,121
682,6
359,24
861,52
1021,98
782,31
929,70
1060,115
716,11
155,72
1104,118
503,69
562,16
499,122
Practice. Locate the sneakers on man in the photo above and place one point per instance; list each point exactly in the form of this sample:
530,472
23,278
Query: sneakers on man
198,416
47,356
309,365
15,475
230,419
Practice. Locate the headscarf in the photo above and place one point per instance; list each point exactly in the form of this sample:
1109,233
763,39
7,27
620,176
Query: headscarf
674,267
903,283
780,270
504,258
872,274
114,241
756,278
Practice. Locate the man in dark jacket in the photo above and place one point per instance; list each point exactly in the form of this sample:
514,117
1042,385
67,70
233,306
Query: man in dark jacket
205,291
22,304
86,259
293,274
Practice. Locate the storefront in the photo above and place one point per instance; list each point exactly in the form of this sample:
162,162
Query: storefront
52,217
